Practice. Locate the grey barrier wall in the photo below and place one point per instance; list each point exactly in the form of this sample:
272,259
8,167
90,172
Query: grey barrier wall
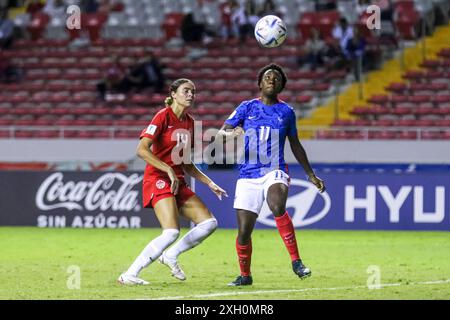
319,151
74,199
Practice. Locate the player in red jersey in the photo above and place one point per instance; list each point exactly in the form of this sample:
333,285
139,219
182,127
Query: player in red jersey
164,188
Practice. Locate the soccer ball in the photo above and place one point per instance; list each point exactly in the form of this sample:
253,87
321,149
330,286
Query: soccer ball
270,31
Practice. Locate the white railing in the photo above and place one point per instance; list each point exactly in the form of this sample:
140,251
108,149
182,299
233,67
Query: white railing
63,130
304,131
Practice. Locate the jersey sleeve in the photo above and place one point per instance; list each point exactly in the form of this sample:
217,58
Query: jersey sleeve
238,116
154,129
292,124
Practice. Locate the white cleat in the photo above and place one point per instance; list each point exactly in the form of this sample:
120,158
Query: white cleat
174,267
127,279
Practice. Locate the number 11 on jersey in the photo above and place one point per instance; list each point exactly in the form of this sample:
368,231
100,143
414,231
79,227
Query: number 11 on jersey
264,132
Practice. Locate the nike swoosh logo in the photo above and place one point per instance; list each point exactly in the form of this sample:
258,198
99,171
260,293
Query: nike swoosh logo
170,127
251,118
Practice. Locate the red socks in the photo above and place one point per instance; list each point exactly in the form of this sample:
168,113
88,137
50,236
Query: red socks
244,253
287,233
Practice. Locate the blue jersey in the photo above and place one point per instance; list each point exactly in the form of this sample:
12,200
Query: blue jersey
266,129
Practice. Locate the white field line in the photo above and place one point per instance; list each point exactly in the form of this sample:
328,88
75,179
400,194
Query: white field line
237,293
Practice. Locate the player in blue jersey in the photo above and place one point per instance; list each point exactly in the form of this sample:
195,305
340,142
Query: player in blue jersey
266,122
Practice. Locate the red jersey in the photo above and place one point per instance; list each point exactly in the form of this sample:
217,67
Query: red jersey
166,132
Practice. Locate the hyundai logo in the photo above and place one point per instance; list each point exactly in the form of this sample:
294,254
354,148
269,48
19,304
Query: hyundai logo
302,203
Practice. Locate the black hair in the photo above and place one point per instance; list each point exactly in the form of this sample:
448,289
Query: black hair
173,88
276,67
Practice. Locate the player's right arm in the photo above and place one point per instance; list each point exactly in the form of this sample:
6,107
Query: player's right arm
144,152
233,125
229,131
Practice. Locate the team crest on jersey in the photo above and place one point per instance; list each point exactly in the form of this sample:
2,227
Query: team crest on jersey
160,184
151,129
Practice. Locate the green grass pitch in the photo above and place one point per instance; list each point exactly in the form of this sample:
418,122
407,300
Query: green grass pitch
34,264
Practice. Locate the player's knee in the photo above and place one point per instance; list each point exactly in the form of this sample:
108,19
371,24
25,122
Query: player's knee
244,236
278,210
209,224
171,235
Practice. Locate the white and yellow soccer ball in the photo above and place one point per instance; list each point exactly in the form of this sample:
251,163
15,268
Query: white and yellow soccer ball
270,31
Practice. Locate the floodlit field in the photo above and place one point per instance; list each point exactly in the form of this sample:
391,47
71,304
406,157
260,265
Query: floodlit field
38,264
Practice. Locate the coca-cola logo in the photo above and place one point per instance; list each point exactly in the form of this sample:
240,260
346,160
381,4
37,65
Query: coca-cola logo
102,194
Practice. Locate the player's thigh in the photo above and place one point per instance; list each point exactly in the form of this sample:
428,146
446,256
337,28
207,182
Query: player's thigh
195,210
166,211
249,195
276,198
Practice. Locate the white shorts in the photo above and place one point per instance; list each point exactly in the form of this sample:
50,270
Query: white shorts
252,193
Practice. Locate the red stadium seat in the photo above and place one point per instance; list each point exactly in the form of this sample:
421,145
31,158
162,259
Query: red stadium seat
327,21
361,122
307,21
38,25
382,135
401,111
24,122
70,134
47,134
443,123
93,22
404,5
324,134
398,88
414,75
362,26
431,135
5,134
343,122
103,122
407,135
406,123
104,134
383,123
85,134
425,123
407,23
444,53
398,99
172,25
127,134
379,99
431,64
324,21
23,134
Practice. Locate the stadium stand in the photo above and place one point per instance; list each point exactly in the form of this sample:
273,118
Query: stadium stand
416,109
57,97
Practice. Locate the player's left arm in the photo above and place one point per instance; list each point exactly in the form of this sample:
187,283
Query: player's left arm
192,170
302,158
299,152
